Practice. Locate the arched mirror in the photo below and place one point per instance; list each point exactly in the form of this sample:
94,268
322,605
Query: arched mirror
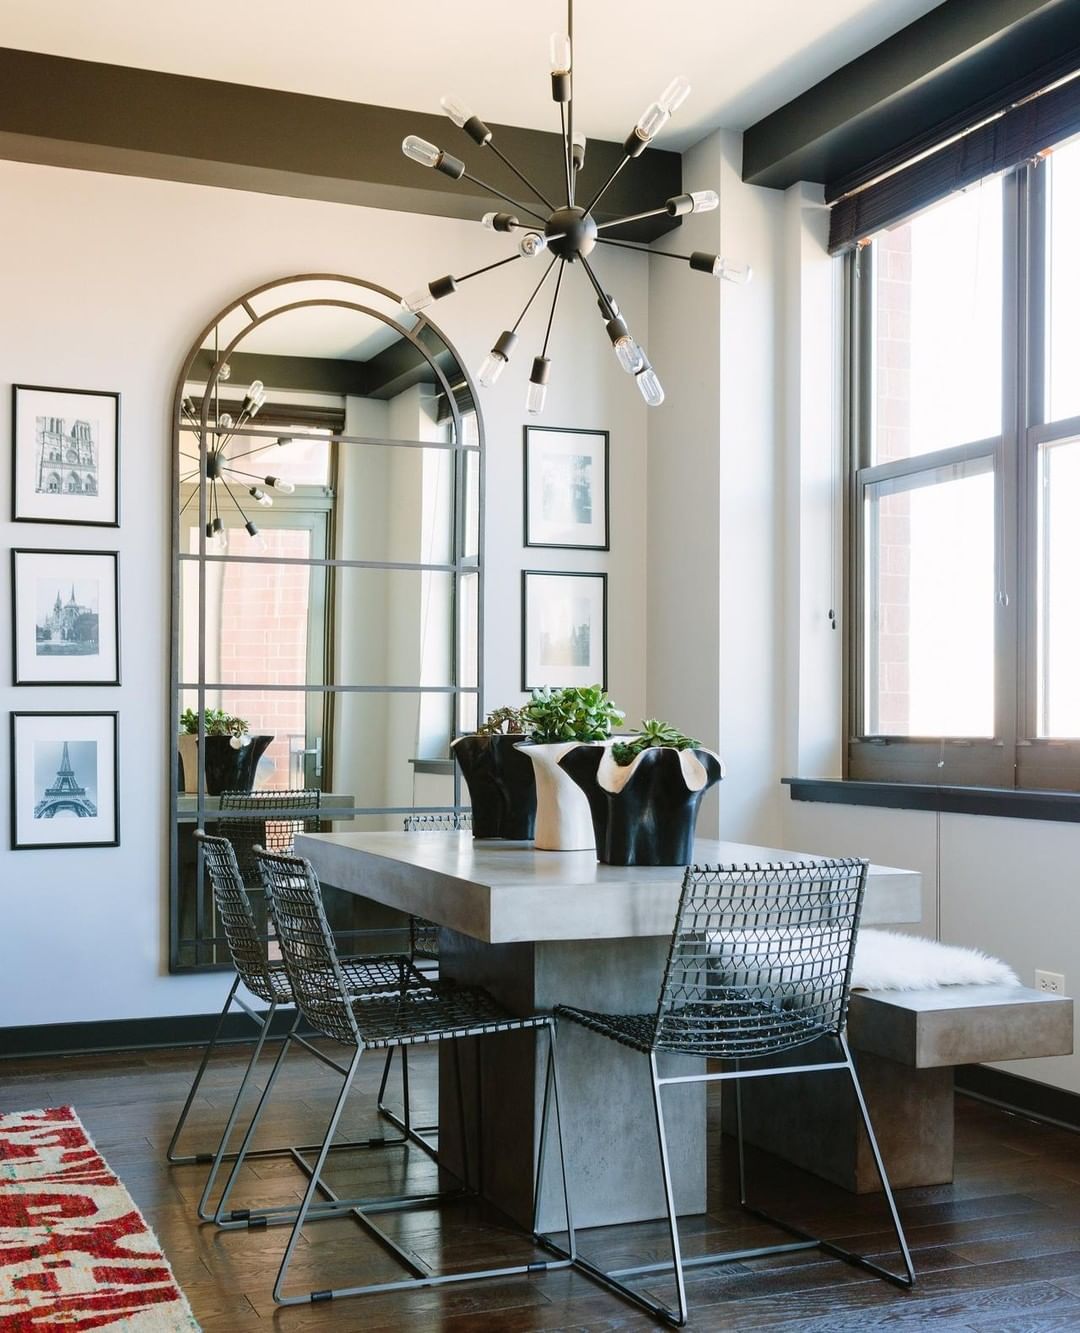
327,586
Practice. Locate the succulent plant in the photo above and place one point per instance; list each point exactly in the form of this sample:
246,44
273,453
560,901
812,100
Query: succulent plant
652,734
503,722
575,713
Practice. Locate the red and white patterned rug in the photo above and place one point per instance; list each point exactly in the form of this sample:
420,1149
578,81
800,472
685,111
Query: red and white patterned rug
75,1252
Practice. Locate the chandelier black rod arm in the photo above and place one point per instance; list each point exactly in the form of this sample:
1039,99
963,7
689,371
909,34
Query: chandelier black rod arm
268,444
188,501
605,304
607,184
235,501
633,217
487,268
642,249
536,293
566,155
520,175
522,208
554,304
570,108
239,472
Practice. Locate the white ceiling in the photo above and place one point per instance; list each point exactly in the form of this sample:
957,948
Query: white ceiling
743,60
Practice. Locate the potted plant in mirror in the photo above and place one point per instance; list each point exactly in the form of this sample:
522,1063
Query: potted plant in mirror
644,793
557,722
499,777
232,755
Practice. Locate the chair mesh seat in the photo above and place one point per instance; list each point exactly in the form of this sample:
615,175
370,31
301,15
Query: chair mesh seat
436,1014
689,1030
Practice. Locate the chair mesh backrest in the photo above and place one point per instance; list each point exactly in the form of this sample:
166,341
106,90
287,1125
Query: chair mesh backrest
262,829
760,957
247,946
438,823
307,944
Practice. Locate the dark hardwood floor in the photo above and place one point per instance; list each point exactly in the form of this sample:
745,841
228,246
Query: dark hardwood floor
998,1251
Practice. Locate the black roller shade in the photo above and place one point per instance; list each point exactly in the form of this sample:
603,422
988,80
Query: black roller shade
1016,136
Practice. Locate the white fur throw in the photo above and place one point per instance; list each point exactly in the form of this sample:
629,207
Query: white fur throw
887,960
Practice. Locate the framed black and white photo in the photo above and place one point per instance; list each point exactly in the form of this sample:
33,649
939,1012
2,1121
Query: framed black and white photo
65,785
566,487
65,459
563,629
66,628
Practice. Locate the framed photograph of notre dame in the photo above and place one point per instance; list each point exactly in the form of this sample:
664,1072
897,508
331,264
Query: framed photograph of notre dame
65,607
65,456
65,784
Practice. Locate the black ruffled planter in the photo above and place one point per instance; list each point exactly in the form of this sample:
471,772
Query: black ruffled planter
226,769
501,785
650,819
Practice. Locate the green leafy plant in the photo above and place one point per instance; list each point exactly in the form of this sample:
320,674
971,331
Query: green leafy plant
503,722
216,723
652,735
576,713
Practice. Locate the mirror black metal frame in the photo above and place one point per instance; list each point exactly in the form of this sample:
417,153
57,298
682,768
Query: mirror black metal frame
187,946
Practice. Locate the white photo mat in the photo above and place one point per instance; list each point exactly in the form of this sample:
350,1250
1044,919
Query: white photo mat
564,629
566,488
88,427
57,806
52,644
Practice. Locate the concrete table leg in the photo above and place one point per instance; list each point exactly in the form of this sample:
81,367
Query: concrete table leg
608,1123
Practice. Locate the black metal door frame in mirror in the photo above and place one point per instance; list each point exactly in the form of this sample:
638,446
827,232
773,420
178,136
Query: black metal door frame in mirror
327,586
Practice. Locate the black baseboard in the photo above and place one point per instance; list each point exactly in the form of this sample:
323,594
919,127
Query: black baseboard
1012,1092
130,1034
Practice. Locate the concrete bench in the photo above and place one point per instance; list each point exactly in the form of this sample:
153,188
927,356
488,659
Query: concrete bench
906,1045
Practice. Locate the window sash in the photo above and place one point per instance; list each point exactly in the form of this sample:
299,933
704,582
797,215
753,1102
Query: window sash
1016,755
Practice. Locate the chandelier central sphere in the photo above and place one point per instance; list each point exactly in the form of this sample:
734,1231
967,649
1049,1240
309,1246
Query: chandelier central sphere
567,232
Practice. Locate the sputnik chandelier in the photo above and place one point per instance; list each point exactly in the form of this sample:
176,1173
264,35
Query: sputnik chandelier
221,466
568,232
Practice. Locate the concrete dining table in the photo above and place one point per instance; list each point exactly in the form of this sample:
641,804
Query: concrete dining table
537,929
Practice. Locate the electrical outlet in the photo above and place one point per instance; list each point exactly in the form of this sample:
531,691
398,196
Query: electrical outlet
1052,983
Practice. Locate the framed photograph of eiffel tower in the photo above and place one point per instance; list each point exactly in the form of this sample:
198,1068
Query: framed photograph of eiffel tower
65,608
65,781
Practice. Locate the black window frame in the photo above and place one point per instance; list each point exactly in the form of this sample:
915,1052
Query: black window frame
1015,757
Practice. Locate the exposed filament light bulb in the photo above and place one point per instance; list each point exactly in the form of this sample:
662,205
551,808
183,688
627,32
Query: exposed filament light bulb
675,94
456,109
560,49
497,359
260,497
536,394
533,243
649,385
279,484
704,200
629,354
420,151
716,266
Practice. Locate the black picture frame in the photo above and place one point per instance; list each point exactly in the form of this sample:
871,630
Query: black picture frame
37,510
20,625
105,819
532,437
530,671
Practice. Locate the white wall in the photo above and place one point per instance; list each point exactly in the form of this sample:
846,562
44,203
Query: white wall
715,494
104,283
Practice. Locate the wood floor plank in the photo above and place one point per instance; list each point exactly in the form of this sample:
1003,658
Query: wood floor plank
997,1251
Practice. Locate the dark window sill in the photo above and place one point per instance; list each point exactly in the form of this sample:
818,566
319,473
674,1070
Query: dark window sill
1003,802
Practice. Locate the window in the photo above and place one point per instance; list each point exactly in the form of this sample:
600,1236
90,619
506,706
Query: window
965,498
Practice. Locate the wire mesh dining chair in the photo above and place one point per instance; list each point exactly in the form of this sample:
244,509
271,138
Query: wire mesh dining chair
267,981
443,1012
424,952
265,818
759,965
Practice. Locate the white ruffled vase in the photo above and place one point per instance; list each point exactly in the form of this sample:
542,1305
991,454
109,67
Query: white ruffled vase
563,819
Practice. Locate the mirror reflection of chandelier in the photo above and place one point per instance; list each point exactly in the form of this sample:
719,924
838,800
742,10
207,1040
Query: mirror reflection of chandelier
568,232
221,469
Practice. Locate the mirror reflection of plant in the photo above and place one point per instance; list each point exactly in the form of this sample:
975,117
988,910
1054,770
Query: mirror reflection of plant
652,734
575,713
503,722
216,722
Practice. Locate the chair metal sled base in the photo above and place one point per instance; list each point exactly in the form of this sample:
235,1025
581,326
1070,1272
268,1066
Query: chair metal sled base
613,1280
421,1273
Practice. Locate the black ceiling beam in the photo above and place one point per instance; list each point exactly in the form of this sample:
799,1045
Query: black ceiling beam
960,62
308,374
138,122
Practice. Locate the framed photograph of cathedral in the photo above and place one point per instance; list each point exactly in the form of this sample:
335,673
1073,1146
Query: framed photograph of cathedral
65,459
65,607
65,785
